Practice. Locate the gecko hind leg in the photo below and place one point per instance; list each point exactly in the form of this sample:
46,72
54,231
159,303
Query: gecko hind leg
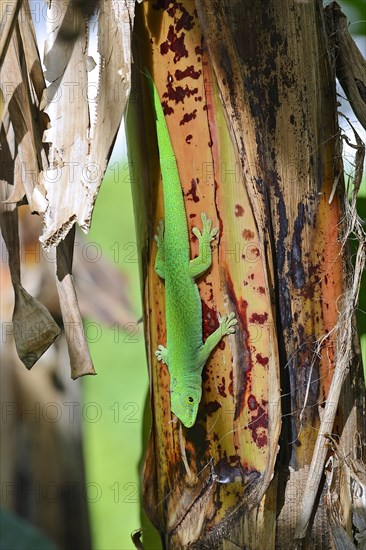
227,326
162,354
200,264
160,255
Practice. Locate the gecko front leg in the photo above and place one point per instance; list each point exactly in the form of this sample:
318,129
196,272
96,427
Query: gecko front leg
200,264
162,354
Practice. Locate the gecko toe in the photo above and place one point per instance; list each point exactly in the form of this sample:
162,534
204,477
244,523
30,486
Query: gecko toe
213,233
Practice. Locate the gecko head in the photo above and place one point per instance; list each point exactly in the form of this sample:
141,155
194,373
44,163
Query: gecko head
184,403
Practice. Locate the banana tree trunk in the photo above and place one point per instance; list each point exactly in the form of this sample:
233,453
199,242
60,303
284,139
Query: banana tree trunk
248,90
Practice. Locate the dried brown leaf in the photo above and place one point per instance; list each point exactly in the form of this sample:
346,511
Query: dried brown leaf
21,128
9,13
33,326
80,358
79,152
66,104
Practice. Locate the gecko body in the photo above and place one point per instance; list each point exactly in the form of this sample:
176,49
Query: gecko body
186,353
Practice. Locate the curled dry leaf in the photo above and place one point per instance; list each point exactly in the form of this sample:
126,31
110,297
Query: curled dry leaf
34,328
80,150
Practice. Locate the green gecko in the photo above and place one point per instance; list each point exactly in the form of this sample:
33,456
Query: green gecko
186,354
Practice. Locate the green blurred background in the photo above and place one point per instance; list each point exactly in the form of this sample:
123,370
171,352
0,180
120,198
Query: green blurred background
113,445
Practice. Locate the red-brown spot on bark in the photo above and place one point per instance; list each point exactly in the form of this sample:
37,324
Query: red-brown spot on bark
205,376
193,190
175,44
164,48
261,440
192,215
211,296
167,110
252,402
178,93
221,387
255,251
198,50
212,407
188,117
189,138
210,321
188,72
262,360
247,234
259,318
258,426
230,387
185,22
239,210
261,290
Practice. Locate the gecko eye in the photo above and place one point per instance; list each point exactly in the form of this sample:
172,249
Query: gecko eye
190,399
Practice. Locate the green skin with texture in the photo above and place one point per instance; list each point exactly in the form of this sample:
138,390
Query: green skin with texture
186,354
